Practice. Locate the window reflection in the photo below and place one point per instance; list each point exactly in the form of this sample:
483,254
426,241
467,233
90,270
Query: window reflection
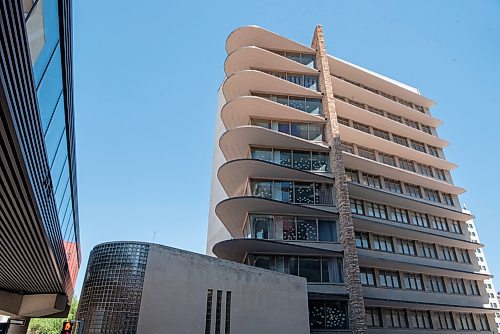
303,160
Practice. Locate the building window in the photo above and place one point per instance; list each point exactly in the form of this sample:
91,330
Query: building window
393,185
463,255
449,253
357,206
400,140
387,159
373,317
218,308
376,210
419,146
425,170
483,321
431,195
361,127
406,247
407,164
398,215
367,276
327,314
419,219
429,250
426,129
448,199
381,133
227,327
411,124
395,117
437,284
362,240
343,121
347,147
434,151
438,223
457,286
465,321
366,153
413,281
444,320
413,190
455,227
352,175
383,243
440,174
389,279
356,103
420,319
474,289
307,229
208,312
371,180
398,318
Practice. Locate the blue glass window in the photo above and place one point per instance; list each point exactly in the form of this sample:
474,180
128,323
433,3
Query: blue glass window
55,131
50,89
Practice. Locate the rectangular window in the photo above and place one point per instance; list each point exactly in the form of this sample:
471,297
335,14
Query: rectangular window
314,106
371,180
406,247
457,286
449,253
366,153
383,243
473,288
429,250
400,140
431,195
227,327
395,117
376,210
357,206
437,284
303,192
425,170
438,223
356,103
465,321
413,190
444,320
463,255
373,317
483,321
389,279
413,281
434,151
208,312
307,229
448,199
398,215
320,161
393,185
455,227
352,175
361,127
420,319
328,314
375,110
218,309
440,174
367,276
419,219
327,230
362,240
419,146
310,268
398,318
387,159
381,133
426,129
411,124
347,147
407,164
343,121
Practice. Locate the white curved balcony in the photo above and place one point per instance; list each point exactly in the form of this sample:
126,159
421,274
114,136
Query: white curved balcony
362,95
253,57
257,36
233,211
235,143
240,110
375,167
234,174
364,116
244,82
361,138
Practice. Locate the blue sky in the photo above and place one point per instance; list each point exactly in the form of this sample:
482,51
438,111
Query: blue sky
146,76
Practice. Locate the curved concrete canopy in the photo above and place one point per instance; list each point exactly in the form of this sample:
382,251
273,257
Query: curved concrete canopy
371,79
358,114
234,174
237,249
356,162
361,138
344,88
257,36
235,143
249,57
233,211
238,112
243,82
376,195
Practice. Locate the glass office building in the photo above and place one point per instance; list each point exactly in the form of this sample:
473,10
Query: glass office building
39,239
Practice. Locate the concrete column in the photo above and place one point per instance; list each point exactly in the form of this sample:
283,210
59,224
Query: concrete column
357,320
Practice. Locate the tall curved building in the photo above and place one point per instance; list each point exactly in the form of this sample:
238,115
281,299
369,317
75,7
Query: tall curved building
328,171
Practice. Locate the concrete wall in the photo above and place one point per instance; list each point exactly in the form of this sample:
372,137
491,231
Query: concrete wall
174,298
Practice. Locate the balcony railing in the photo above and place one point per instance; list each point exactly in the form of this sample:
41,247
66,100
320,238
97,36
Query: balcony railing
293,191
